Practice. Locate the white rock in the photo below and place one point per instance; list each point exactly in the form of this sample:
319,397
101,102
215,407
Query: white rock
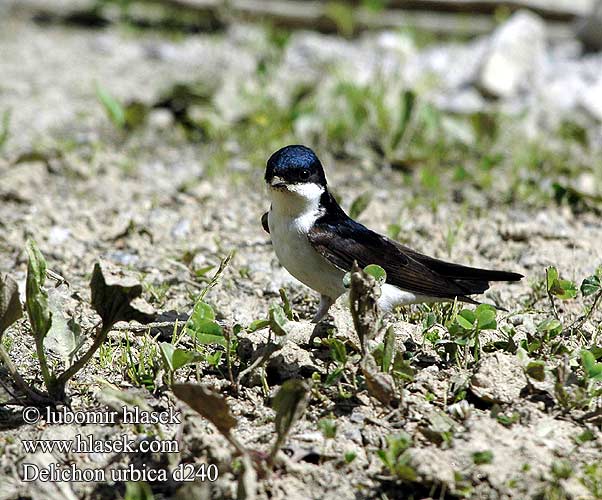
516,50
591,99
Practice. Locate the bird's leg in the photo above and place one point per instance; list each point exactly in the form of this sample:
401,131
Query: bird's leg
325,303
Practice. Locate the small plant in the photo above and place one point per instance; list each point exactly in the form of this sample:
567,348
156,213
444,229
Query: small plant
123,117
204,330
482,457
396,457
592,479
4,129
558,288
465,329
328,427
115,297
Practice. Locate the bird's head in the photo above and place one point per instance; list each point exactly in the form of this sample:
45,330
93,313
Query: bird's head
293,166
294,173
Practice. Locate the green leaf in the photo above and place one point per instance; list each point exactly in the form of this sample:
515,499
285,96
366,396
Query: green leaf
551,277
112,107
289,403
482,457
592,369
359,205
466,319
278,320
408,100
208,333
486,317
115,296
536,370
587,360
590,285
569,290
36,301
389,349
286,304
138,490
214,359
328,426
258,324
202,311
550,326
338,351
135,114
10,305
563,289
203,328
175,358
585,436
377,272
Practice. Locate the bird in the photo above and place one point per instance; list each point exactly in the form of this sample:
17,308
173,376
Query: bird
318,243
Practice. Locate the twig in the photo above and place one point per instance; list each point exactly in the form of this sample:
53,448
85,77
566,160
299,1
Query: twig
228,335
554,310
578,323
31,392
269,350
142,328
101,336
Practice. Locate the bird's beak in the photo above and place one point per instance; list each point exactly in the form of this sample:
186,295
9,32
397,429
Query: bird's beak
278,183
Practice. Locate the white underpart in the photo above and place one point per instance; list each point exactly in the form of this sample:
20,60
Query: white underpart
294,211
391,296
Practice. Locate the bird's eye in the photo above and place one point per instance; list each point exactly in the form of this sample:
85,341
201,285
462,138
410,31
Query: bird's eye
304,174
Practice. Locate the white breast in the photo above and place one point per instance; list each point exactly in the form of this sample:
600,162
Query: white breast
292,215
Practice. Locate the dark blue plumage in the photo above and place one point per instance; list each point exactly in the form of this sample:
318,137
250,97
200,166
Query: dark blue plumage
295,164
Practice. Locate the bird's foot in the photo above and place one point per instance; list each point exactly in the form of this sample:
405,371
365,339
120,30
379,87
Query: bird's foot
325,303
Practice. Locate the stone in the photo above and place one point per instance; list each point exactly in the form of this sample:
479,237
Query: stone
591,99
516,50
499,378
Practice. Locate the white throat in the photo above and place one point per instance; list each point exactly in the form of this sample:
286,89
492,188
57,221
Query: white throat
298,200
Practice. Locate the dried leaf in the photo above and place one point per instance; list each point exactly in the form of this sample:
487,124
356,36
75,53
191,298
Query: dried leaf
380,385
208,404
362,299
65,336
114,294
10,305
289,404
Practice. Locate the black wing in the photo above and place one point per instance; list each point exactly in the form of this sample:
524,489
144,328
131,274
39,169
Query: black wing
264,223
343,240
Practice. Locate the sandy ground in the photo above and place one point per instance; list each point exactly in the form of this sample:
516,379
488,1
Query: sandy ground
152,202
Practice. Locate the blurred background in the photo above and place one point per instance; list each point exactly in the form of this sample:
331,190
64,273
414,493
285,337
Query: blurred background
130,117
138,131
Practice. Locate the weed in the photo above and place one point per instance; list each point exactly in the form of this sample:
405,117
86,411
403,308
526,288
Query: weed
396,457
